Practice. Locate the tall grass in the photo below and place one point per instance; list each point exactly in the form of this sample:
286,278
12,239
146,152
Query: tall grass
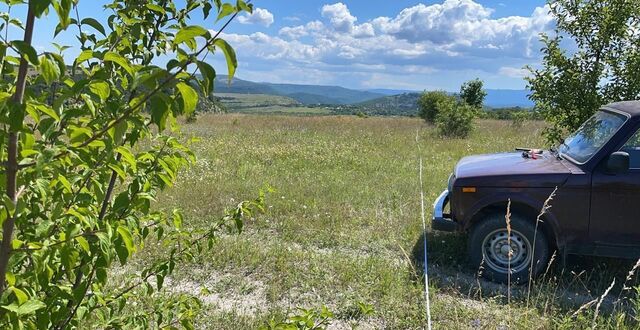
344,227
545,207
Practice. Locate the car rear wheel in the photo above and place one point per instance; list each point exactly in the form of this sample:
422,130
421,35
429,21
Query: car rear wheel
501,252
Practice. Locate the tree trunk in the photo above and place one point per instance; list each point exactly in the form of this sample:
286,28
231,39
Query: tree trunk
12,158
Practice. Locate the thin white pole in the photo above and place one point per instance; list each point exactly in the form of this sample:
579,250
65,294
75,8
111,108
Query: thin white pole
424,230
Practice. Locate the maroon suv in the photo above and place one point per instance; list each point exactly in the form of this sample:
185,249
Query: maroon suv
596,171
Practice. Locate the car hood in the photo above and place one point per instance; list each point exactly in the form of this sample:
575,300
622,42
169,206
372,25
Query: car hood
512,170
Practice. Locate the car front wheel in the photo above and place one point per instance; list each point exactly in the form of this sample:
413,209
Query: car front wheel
501,252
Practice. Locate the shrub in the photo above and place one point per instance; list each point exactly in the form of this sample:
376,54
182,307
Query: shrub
454,119
88,142
471,93
518,118
427,104
361,114
573,82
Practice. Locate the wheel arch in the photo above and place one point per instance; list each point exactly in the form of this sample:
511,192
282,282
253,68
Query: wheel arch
547,224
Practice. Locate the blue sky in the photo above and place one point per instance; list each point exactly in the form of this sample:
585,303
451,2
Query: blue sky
373,44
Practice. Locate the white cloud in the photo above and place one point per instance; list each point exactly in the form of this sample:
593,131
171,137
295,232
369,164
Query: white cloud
450,38
340,17
464,25
513,72
296,32
292,18
259,16
363,31
293,32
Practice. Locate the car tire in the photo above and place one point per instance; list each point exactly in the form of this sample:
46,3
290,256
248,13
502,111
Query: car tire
489,248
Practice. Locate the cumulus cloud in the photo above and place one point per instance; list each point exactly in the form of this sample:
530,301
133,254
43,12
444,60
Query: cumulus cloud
363,31
339,16
438,23
453,35
464,25
259,16
294,32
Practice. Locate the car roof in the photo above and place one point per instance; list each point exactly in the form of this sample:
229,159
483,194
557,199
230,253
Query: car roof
630,107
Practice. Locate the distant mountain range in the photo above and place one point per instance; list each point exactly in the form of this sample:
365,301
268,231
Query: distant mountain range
317,94
305,94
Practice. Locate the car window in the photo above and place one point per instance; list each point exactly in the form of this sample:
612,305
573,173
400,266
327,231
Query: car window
632,147
591,136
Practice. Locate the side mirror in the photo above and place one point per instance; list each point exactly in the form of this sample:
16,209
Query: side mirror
618,162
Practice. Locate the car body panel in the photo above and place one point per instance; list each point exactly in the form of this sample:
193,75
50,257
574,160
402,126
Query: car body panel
592,212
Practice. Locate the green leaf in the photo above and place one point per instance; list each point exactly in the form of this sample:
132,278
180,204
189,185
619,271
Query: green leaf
48,70
159,281
159,111
177,219
39,6
242,5
125,234
156,8
89,103
101,89
12,308
83,243
127,156
118,171
208,75
20,295
230,55
189,98
65,183
118,59
17,112
226,10
120,130
60,48
63,8
188,33
30,307
27,51
206,8
48,111
94,24
11,279
85,55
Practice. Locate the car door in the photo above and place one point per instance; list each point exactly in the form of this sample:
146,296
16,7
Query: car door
615,201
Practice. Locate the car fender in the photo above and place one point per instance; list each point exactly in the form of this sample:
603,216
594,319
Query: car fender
520,197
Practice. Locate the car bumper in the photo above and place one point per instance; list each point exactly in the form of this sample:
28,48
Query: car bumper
442,221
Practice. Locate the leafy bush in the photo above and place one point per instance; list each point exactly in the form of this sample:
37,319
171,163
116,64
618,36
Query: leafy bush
518,118
320,319
361,114
87,143
454,119
574,83
471,93
428,104
306,319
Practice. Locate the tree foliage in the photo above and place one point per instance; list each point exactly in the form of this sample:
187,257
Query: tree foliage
86,149
593,59
472,93
427,104
454,118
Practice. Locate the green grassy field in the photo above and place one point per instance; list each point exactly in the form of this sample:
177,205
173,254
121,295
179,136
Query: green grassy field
344,227
262,104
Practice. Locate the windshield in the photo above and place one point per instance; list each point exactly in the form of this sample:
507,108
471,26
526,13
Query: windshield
591,136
